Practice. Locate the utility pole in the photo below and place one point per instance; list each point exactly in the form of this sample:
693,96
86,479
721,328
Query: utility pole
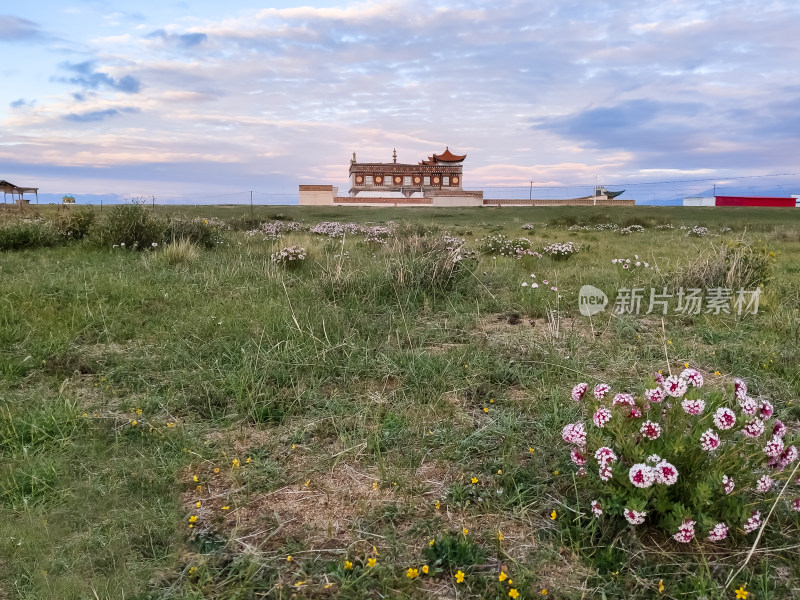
530,194
251,203
154,202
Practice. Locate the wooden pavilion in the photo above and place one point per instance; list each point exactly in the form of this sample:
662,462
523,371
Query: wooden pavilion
17,193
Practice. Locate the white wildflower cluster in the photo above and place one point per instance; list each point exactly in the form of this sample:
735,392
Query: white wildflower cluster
600,227
290,256
628,263
527,226
501,245
631,229
561,250
665,226
695,230
272,230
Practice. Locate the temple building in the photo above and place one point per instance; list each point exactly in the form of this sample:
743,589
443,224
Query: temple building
435,181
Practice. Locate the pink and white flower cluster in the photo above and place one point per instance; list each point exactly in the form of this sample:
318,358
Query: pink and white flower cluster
685,532
637,435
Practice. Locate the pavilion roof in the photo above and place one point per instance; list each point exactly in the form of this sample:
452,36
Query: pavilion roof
446,157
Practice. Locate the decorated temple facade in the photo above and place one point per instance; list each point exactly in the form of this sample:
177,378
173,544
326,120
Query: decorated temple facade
439,172
435,181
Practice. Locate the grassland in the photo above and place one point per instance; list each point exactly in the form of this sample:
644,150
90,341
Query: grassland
220,427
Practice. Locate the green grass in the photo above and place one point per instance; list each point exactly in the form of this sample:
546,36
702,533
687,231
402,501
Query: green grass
356,387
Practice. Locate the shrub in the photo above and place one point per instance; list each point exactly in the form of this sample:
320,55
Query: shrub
75,223
244,223
29,233
196,230
130,226
678,457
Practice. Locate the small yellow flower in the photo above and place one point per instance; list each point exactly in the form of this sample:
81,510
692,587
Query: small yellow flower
553,515
741,593
465,531
485,409
431,543
85,414
293,446
430,431
544,592
371,562
530,450
412,573
660,586
198,504
192,570
289,558
170,424
499,471
216,469
438,505
474,480
502,577
191,525
235,463
513,593
133,423
491,400
348,566
195,479
226,508
717,373
686,365
327,585
375,551
249,460
500,536
299,583
138,411
669,342
425,569
374,485
193,519
307,482
555,472
460,576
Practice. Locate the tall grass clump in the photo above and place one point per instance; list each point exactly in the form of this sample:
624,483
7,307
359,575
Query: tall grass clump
414,267
25,234
179,252
735,265
130,226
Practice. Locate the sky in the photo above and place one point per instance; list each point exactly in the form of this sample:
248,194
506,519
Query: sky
209,100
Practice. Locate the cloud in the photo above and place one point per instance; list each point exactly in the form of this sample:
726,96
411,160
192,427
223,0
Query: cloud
21,102
98,115
182,40
88,77
14,29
